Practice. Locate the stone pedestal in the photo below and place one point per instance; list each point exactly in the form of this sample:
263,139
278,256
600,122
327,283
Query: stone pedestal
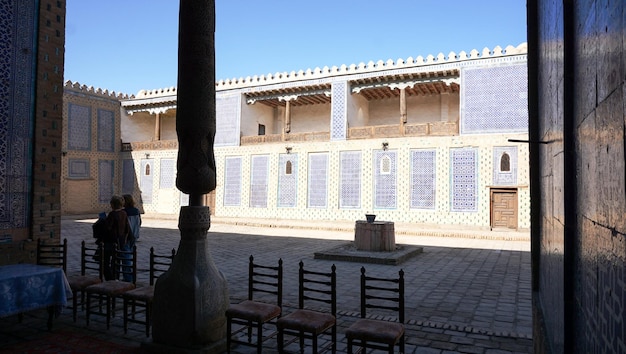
191,298
376,236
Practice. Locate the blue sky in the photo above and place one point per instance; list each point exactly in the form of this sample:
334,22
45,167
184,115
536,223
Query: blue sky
129,45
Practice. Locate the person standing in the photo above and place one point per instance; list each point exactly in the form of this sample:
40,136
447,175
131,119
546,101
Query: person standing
134,217
117,225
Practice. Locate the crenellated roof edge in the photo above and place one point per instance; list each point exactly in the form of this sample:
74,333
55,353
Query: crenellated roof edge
96,90
370,67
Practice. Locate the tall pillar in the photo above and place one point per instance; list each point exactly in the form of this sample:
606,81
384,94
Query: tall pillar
157,127
402,110
287,116
403,105
191,298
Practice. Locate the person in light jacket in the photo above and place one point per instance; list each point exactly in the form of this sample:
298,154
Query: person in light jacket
134,217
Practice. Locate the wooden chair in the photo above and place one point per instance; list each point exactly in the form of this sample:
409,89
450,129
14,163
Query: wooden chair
379,293
90,274
142,297
307,323
52,254
124,263
253,313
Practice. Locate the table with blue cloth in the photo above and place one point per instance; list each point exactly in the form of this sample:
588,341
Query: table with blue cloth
26,287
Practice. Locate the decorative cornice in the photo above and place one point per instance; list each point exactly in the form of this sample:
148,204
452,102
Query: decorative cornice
360,69
76,86
370,67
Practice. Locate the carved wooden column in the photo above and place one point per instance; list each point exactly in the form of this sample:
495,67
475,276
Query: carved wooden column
191,298
287,120
403,114
402,109
157,127
287,117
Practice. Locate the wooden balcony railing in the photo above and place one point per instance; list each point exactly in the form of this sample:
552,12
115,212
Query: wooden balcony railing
276,138
395,130
369,132
151,145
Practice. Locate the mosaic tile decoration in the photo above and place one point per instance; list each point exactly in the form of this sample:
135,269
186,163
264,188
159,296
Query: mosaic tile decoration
385,179
168,174
287,182
79,127
259,176
423,179
317,196
350,179
464,174
17,60
505,178
232,181
106,130
494,100
128,176
227,120
106,175
146,180
339,113
184,199
78,168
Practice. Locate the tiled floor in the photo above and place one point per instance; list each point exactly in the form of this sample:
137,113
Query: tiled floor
463,294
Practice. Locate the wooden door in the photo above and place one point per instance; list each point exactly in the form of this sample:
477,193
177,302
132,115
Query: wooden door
504,208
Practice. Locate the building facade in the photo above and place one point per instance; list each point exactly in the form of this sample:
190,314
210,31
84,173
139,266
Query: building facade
435,140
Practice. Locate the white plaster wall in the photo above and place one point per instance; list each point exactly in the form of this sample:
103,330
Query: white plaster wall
137,127
384,112
423,109
168,126
358,111
453,108
310,118
254,114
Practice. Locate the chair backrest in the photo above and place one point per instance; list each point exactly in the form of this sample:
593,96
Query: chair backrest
89,262
52,254
382,293
125,264
265,279
318,286
159,264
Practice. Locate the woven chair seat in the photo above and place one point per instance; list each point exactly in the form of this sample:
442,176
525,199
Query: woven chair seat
80,282
111,287
377,331
307,321
253,311
144,293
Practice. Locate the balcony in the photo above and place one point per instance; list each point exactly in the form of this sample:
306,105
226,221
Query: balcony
410,130
369,132
150,145
276,138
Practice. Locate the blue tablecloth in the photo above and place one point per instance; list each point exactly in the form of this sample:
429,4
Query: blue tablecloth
25,287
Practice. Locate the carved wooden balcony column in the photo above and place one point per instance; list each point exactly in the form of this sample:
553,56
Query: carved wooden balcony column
157,127
287,119
403,115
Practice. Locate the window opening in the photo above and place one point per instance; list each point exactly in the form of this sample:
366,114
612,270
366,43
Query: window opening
261,129
288,168
505,162
385,165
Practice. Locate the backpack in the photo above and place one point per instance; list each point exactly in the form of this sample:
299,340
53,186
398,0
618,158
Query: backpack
99,229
